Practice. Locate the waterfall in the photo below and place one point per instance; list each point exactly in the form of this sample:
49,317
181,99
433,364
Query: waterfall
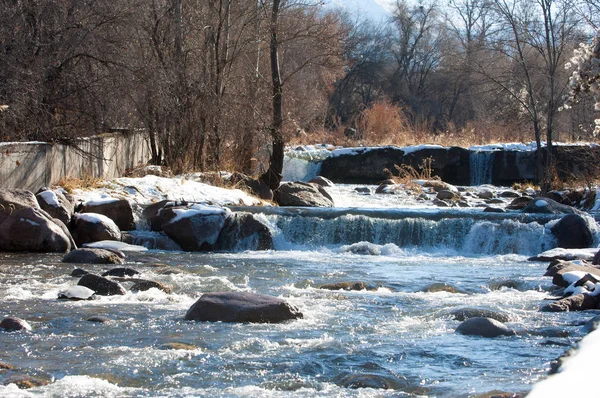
467,235
481,165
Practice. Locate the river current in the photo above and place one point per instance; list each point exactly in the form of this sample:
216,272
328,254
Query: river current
400,334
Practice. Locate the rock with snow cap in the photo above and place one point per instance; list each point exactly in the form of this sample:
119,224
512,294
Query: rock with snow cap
118,210
559,253
76,293
56,204
241,307
542,205
31,229
92,227
196,227
93,256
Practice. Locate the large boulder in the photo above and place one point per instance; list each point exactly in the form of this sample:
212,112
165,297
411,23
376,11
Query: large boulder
55,204
241,307
302,194
93,256
15,199
572,232
242,231
92,227
31,229
576,302
194,228
368,165
542,205
102,286
118,210
484,327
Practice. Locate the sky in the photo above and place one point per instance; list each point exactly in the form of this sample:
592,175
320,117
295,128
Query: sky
374,9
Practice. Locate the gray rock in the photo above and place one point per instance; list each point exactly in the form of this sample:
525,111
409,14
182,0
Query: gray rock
572,232
348,286
322,181
462,314
448,195
99,319
120,211
440,287
198,231
55,204
92,227
542,205
12,200
577,302
30,229
101,285
121,272
242,231
241,307
92,256
142,286
484,327
303,195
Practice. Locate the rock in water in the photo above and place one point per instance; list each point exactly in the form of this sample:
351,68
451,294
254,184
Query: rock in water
572,232
541,205
77,293
12,323
92,227
577,302
93,256
121,272
241,307
101,285
302,194
484,327
142,286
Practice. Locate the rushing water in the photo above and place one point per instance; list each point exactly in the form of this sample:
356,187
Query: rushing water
398,334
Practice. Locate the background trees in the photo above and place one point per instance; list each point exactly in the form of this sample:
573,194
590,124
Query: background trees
226,83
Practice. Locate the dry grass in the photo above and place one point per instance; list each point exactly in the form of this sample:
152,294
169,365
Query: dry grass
87,182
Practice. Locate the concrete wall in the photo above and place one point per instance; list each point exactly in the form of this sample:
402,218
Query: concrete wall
32,165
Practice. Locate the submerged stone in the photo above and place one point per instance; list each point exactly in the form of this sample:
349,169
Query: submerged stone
484,327
241,307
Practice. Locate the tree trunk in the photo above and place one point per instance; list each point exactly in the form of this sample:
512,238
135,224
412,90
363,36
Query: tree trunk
274,175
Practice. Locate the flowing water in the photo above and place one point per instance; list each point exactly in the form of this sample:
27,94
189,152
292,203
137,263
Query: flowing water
398,335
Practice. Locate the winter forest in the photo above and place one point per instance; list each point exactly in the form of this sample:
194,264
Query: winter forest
216,83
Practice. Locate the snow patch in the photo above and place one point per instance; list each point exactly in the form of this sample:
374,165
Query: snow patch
101,201
541,203
95,218
115,245
50,198
199,209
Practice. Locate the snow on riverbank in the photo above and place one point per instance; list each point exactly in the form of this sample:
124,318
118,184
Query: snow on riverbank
150,189
576,375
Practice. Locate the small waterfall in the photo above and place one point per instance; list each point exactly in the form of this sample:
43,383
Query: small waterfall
481,164
297,169
463,234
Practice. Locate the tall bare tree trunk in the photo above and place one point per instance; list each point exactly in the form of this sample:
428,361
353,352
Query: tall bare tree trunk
273,175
